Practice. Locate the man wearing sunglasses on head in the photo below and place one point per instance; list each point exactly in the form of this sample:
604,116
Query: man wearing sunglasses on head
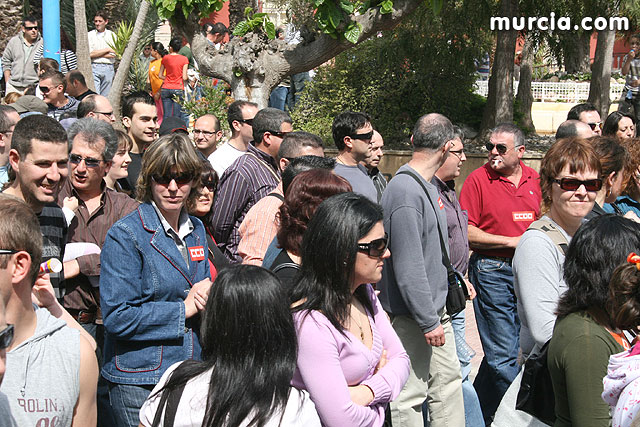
240,116
17,58
52,369
415,281
53,86
250,178
353,134
587,113
502,199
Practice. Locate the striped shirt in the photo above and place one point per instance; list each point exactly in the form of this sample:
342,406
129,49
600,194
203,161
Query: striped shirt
250,178
634,74
53,227
68,59
259,227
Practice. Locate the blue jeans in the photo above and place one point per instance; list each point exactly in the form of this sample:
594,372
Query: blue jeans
472,410
499,329
278,97
172,108
126,401
103,77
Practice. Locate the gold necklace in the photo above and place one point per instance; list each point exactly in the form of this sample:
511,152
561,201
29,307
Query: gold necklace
359,327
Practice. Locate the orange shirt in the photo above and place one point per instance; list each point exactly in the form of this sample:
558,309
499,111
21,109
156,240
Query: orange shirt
154,69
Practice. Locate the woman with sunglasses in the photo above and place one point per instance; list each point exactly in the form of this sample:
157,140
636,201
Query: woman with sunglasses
303,196
569,180
614,162
350,359
155,278
201,207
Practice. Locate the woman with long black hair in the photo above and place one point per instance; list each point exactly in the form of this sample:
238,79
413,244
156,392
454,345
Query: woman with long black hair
249,356
350,359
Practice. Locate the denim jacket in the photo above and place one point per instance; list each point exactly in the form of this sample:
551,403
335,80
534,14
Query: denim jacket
143,284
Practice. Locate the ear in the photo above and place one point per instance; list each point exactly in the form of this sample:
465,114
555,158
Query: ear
283,163
411,139
520,150
126,122
21,266
348,142
219,135
446,147
107,167
14,159
610,178
236,125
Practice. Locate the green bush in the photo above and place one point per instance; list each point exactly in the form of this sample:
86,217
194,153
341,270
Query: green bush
420,67
214,101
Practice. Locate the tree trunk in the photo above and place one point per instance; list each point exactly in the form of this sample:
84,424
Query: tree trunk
82,43
576,52
524,98
10,20
601,72
499,106
115,94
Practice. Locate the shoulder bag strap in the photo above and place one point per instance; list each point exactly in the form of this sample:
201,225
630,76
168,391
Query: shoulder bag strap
267,165
277,196
552,231
445,256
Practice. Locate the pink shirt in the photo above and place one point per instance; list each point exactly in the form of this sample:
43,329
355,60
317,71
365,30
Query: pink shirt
258,228
329,362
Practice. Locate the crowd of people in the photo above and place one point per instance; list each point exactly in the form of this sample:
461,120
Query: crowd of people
152,278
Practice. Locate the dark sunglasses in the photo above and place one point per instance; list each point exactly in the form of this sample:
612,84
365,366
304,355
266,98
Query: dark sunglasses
247,121
362,136
278,134
500,148
375,248
31,28
89,161
45,89
209,185
181,179
595,125
572,184
6,337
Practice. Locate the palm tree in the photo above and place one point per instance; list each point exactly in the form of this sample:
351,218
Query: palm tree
82,42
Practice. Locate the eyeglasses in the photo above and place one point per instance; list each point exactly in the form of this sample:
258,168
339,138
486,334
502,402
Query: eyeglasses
8,251
572,184
375,248
89,161
108,114
31,28
45,89
6,337
457,153
180,179
594,125
500,148
362,136
206,133
247,121
278,134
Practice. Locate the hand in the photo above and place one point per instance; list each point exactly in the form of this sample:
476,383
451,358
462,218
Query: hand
42,293
361,394
70,203
632,216
513,242
435,338
470,289
382,362
156,96
197,298
635,83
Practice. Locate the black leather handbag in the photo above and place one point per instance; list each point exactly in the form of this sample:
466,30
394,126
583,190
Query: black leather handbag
536,395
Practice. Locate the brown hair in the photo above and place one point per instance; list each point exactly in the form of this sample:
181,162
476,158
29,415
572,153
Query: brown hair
12,97
307,190
623,304
172,150
633,148
124,140
613,157
20,230
575,152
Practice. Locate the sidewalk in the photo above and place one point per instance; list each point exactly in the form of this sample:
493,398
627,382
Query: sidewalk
473,339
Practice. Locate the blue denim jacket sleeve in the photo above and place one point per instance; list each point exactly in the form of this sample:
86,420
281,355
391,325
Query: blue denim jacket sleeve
137,302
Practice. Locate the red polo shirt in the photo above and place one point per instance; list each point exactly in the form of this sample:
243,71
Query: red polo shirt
496,206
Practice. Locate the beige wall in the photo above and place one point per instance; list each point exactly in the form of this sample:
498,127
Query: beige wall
393,159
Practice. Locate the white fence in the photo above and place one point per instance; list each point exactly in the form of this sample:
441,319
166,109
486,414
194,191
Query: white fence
556,92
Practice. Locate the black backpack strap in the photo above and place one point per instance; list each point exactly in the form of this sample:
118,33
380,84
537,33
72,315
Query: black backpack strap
285,265
277,196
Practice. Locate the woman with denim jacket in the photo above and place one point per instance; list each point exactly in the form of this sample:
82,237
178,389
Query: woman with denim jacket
155,278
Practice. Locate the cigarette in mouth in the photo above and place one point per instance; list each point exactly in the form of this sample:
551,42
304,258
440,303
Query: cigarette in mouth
495,163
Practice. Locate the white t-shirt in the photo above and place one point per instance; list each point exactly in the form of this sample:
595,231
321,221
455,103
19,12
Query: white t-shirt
224,157
300,410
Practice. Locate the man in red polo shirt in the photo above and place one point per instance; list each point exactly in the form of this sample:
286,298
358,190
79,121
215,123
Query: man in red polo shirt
502,198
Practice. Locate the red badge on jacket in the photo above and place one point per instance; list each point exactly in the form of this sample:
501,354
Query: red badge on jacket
196,253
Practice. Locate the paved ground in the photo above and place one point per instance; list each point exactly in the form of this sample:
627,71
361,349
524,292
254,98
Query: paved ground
473,339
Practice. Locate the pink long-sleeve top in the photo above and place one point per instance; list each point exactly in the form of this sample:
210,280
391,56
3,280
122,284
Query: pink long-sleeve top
329,362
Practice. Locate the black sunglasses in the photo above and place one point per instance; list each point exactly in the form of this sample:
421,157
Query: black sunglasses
75,159
210,185
45,89
8,251
500,148
375,248
572,184
278,134
247,121
362,136
595,125
31,28
6,337
180,179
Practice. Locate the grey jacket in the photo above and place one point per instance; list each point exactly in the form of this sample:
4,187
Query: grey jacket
414,279
23,72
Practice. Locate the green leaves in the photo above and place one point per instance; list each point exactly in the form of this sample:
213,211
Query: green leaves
353,32
255,22
167,8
